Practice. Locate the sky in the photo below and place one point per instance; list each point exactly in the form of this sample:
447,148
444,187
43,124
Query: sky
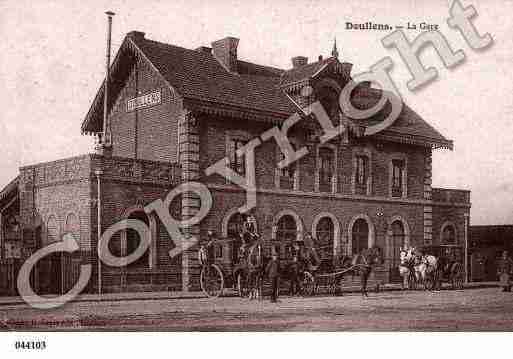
53,57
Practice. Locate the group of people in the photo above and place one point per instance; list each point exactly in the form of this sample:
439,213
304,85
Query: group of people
415,263
274,268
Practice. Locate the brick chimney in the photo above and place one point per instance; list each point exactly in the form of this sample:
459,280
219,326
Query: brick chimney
225,51
136,35
299,61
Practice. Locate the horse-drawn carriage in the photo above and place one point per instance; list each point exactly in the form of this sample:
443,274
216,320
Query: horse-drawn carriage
227,263
431,266
450,267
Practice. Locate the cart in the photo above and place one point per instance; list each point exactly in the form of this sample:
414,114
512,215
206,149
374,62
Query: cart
450,266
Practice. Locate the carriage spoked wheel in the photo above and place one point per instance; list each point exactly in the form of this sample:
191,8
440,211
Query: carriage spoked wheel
211,280
457,277
307,284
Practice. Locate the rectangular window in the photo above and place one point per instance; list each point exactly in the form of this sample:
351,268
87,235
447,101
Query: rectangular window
287,174
219,251
397,178
326,169
237,163
361,170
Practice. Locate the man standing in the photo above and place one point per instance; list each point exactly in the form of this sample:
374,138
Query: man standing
504,267
273,271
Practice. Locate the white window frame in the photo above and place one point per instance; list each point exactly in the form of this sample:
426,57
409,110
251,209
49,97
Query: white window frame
367,153
334,177
278,171
404,158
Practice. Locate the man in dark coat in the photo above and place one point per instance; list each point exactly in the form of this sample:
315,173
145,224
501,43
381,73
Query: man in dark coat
504,268
294,275
273,271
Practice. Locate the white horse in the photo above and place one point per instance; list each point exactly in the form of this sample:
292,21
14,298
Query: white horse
426,268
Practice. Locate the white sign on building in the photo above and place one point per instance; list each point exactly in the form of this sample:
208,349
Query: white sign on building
143,101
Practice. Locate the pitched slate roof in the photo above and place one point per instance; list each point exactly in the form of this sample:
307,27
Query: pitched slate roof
197,75
9,190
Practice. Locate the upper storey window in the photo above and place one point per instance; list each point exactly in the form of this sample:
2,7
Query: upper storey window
237,162
362,174
398,178
287,177
326,169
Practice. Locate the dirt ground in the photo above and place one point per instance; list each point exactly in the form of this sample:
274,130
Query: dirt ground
472,309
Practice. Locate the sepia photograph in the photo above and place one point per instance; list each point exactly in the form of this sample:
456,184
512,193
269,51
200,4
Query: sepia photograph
268,166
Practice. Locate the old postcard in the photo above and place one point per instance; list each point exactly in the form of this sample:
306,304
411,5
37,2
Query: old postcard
269,166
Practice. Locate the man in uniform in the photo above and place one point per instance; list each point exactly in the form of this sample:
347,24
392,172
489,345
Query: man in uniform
273,271
504,267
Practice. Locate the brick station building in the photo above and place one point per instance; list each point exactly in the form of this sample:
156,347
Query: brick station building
173,112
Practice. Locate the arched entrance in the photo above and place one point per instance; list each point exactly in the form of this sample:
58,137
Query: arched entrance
360,234
397,240
325,239
287,228
286,234
398,236
133,241
360,237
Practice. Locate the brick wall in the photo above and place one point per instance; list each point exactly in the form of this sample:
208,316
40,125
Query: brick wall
147,133
213,134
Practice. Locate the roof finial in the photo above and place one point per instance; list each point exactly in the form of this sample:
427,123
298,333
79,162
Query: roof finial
334,52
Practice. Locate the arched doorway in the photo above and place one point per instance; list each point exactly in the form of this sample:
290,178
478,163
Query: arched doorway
133,241
325,238
233,231
360,236
286,234
397,241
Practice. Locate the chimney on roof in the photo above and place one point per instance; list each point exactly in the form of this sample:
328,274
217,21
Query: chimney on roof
299,61
225,51
204,49
136,35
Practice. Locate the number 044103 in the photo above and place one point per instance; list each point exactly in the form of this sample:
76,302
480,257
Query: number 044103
30,345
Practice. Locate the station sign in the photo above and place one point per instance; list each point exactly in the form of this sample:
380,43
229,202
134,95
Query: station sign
144,101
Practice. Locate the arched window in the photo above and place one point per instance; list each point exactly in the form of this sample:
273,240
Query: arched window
286,233
325,234
52,230
133,240
398,237
360,240
449,235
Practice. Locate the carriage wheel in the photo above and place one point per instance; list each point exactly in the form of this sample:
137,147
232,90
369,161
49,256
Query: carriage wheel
307,284
212,281
457,277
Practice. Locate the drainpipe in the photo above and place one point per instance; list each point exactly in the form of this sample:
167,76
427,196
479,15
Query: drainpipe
465,261
98,174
